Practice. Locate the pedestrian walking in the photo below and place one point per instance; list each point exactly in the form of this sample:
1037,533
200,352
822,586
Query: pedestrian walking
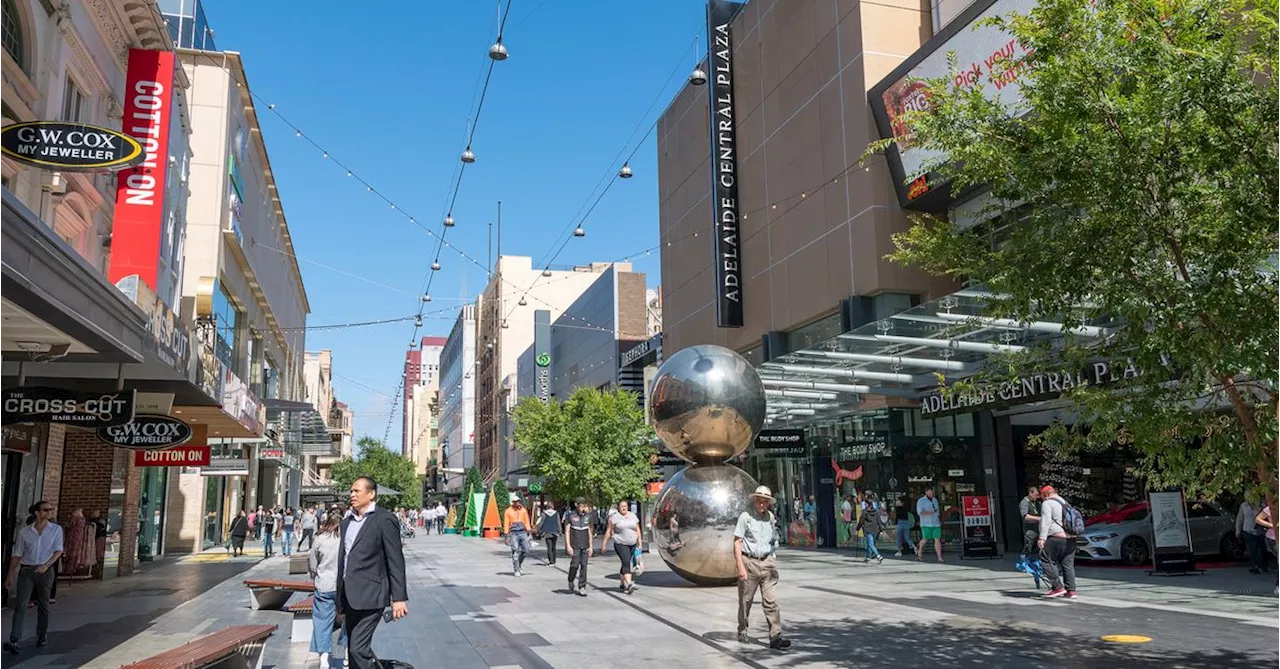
624,527
847,521
371,573
755,548
902,522
930,524
322,564
1056,540
308,523
239,530
1247,530
287,524
441,514
255,524
427,518
1029,511
549,530
38,546
579,543
1266,520
267,525
869,526
516,525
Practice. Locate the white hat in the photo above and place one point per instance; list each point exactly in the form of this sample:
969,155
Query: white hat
765,492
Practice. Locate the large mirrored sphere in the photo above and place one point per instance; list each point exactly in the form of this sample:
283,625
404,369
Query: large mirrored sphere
694,518
707,404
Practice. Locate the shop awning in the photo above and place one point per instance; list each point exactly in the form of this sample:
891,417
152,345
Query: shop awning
298,424
899,356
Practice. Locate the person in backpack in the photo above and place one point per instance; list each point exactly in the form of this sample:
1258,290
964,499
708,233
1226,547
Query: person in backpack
1060,524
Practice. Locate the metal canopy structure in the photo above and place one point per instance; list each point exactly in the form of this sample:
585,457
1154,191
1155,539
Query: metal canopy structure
299,426
902,355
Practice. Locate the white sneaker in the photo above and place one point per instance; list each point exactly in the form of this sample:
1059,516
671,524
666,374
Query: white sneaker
898,554
324,661
518,574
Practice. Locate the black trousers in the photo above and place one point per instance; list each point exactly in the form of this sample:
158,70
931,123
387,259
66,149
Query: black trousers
360,626
32,584
308,536
550,539
578,567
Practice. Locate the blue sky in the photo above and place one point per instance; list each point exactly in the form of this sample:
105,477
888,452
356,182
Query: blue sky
390,92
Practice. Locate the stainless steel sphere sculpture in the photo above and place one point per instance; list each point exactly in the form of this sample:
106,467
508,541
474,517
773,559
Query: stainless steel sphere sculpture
707,404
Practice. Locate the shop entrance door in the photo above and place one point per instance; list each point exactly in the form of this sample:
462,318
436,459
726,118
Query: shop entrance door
12,470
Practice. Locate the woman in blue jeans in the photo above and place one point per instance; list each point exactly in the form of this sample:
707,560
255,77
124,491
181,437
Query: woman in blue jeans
322,563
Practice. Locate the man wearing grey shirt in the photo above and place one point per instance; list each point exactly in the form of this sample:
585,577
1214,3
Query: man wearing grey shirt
755,547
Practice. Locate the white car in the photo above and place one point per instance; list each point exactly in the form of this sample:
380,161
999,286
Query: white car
1124,534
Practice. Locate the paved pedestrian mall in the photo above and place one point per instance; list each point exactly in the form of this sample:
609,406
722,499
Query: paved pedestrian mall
466,610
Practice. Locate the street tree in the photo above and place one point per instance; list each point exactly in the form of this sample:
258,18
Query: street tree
1135,187
390,470
595,445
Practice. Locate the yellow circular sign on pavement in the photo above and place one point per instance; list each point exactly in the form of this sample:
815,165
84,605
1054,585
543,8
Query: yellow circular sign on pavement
1126,638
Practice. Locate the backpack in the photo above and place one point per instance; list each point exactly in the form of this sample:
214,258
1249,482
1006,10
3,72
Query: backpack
1072,519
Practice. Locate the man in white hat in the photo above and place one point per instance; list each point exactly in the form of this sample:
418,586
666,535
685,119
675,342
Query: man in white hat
755,547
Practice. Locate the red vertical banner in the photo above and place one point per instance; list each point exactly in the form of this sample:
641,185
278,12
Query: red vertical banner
139,216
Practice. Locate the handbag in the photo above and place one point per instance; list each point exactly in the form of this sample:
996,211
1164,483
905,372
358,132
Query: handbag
637,561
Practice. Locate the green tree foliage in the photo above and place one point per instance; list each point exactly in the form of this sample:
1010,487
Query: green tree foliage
390,470
474,483
1144,172
596,444
502,494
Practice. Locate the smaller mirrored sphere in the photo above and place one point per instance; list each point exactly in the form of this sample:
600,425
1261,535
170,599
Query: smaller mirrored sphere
694,518
707,404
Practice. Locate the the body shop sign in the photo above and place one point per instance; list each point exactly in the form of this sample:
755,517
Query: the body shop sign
984,55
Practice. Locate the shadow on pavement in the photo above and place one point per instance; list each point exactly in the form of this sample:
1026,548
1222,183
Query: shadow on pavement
853,643
93,618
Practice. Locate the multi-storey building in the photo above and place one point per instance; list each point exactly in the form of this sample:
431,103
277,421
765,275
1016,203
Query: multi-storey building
506,328
581,347
421,368
802,229
458,400
244,292
93,268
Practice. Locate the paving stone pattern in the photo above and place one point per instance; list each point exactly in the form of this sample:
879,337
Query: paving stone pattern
467,610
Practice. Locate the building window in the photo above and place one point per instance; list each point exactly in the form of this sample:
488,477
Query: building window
73,102
12,32
227,318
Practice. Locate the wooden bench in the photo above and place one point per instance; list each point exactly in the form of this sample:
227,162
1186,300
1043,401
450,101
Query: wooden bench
298,563
266,594
239,646
302,624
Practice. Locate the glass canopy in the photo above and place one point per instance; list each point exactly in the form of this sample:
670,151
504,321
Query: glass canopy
901,356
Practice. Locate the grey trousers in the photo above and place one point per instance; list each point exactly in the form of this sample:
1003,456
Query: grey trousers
42,584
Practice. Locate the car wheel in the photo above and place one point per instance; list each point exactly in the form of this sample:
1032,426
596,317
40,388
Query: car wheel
1230,548
1133,550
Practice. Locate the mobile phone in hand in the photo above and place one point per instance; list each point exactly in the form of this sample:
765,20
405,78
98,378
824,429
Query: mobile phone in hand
388,616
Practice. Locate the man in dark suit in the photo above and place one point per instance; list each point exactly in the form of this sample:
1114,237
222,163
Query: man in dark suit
370,571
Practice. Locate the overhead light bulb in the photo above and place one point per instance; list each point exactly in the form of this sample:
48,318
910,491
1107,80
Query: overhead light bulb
697,77
499,51
468,156
426,297
579,232
625,172
435,267
546,272
523,302
448,221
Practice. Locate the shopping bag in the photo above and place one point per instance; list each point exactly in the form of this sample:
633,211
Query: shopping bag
637,562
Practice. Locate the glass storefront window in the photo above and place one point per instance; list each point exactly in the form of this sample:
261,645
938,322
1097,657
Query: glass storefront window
151,512
115,507
224,310
807,336
213,520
